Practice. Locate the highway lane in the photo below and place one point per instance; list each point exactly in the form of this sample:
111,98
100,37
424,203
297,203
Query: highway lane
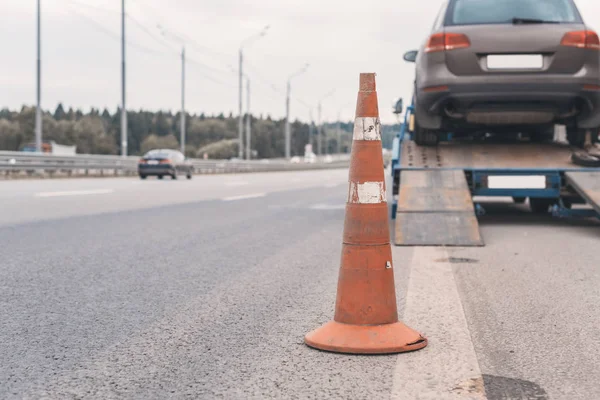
33,200
142,294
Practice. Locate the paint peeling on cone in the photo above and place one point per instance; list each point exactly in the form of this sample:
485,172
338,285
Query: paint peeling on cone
367,193
366,315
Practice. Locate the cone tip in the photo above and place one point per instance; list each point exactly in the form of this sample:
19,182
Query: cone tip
367,82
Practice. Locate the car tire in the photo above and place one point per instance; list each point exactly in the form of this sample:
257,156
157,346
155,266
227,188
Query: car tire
584,159
189,175
576,136
160,176
540,205
542,136
143,177
519,200
174,176
426,137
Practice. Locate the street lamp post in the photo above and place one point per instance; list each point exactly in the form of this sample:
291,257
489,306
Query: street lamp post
240,86
182,122
248,122
38,111
338,133
123,104
319,126
288,132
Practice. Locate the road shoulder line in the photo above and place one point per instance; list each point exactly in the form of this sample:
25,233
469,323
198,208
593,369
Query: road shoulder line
447,368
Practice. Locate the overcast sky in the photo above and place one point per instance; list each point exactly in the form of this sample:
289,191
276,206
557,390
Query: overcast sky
338,38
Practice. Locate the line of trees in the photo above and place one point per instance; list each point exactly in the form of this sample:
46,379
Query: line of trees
98,132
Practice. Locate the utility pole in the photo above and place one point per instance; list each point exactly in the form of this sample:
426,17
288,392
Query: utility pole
339,136
38,111
183,100
311,128
288,133
241,90
241,121
123,103
319,129
288,130
248,122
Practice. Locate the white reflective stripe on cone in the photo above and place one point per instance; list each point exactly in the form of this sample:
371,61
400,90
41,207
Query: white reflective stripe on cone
366,193
367,128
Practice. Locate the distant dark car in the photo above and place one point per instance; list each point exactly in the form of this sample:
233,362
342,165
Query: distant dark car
164,162
510,66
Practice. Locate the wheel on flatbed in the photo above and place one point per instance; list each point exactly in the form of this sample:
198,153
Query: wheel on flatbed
426,137
519,200
540,205
576,136
543,135
583,159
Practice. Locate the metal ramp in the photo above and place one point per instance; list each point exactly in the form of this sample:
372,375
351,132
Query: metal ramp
435,208
587,185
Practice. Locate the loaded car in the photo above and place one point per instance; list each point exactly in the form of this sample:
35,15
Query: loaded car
500,67
164,162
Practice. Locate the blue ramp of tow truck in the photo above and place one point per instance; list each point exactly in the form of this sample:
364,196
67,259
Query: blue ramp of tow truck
587,184
435,208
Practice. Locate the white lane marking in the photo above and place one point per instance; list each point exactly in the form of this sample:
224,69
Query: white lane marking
74,193
245,196
236,183
447,368
367,128
328,207
366,193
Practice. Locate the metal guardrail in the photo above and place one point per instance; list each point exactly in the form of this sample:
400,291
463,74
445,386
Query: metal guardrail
16,164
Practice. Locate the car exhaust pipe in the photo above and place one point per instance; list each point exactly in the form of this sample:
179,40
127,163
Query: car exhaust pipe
451,111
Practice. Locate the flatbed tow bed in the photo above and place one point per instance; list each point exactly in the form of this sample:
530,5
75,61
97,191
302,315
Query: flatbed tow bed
433,187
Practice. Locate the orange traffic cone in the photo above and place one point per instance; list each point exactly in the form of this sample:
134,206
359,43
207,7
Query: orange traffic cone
366,315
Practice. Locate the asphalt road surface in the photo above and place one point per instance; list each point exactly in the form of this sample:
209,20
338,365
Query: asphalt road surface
118,288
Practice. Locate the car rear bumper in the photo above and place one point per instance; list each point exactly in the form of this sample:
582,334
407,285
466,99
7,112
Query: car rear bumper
512,100
151,170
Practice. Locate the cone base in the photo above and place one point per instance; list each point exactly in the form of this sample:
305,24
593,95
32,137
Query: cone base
358,339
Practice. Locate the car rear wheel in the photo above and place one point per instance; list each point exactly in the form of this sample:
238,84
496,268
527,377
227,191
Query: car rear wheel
540,205
143,176
585,159
160,177
542,136
576,136
426,137
189,175
174,175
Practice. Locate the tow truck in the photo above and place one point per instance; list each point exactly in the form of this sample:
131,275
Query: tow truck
434,188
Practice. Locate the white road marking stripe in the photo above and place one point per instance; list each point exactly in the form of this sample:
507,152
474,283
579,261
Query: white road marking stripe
367,128
236,183
328,207
366,193
245,196
447,368
74,193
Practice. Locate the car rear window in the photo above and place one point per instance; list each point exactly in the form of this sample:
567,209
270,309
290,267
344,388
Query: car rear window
474,12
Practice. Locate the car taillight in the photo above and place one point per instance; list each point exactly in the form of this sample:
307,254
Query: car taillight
582,40
142,161
165,161
447,42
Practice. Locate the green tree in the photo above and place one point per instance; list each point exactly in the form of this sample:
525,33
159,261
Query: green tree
159,142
